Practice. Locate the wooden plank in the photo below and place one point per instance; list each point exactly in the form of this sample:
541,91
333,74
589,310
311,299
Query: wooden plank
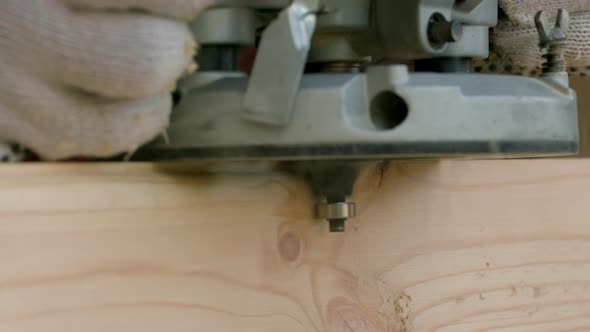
439,246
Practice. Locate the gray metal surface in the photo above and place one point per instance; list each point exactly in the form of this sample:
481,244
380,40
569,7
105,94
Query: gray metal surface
448,115
280,63
345,15
225,26
264,4
403,26
397,30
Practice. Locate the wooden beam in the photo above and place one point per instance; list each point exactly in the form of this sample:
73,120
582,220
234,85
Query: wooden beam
438,246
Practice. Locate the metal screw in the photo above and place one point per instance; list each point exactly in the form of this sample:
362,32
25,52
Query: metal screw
553,40
441,31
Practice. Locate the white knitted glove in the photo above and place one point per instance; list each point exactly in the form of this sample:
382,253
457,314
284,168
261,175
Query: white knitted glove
515,42
90,77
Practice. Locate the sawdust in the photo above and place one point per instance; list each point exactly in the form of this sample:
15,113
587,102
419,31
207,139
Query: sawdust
397,313
402,308
514,291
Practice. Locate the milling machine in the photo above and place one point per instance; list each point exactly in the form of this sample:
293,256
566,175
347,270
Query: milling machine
337,83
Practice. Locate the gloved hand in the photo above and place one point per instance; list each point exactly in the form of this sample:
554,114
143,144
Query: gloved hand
515,42
90,77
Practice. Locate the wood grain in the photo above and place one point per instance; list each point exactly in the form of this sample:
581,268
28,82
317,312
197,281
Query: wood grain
438,246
